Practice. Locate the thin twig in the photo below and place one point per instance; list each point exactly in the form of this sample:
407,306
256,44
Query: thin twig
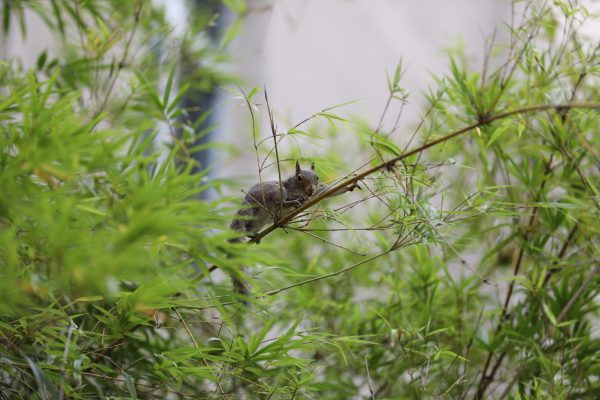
250,109
369,378
331,243
325,276
139,5
274,133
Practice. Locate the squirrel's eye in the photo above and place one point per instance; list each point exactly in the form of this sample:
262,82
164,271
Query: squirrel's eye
299,178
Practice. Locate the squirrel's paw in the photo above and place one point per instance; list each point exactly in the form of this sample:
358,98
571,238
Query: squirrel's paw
296,202
354,186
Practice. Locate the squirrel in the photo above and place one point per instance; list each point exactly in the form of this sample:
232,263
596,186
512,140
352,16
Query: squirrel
269,201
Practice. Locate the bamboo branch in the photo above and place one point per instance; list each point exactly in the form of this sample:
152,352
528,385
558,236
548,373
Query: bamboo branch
390,163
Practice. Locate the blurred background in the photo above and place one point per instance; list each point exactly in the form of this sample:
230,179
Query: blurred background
310,55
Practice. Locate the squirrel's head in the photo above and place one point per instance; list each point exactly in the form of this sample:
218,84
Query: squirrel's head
307,178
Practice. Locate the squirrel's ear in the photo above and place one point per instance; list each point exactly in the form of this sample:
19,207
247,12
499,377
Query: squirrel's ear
298,170
312,166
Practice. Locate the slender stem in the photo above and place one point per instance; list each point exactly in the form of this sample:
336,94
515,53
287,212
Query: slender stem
138,11
274,133
370,383
321,277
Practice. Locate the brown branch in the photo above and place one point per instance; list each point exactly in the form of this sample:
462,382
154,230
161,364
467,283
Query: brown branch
390,163
387,165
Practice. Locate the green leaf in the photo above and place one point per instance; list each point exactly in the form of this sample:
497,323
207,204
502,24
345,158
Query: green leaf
130,385
41,61
330,116
382,143
240,7
231,32
499,132
6,17
549,313
92,210
169,85
253,92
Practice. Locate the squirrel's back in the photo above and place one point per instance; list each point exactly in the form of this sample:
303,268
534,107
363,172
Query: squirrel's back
261,204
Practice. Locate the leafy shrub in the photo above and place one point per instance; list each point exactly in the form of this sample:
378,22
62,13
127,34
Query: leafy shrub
467,266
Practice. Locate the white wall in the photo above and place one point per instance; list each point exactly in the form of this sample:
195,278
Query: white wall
312,54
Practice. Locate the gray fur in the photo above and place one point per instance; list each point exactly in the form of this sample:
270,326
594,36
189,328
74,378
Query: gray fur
267,202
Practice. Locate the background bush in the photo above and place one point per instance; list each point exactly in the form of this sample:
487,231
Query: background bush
467,266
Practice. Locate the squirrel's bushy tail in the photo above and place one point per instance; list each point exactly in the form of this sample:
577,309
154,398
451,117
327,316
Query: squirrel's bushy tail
240,287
